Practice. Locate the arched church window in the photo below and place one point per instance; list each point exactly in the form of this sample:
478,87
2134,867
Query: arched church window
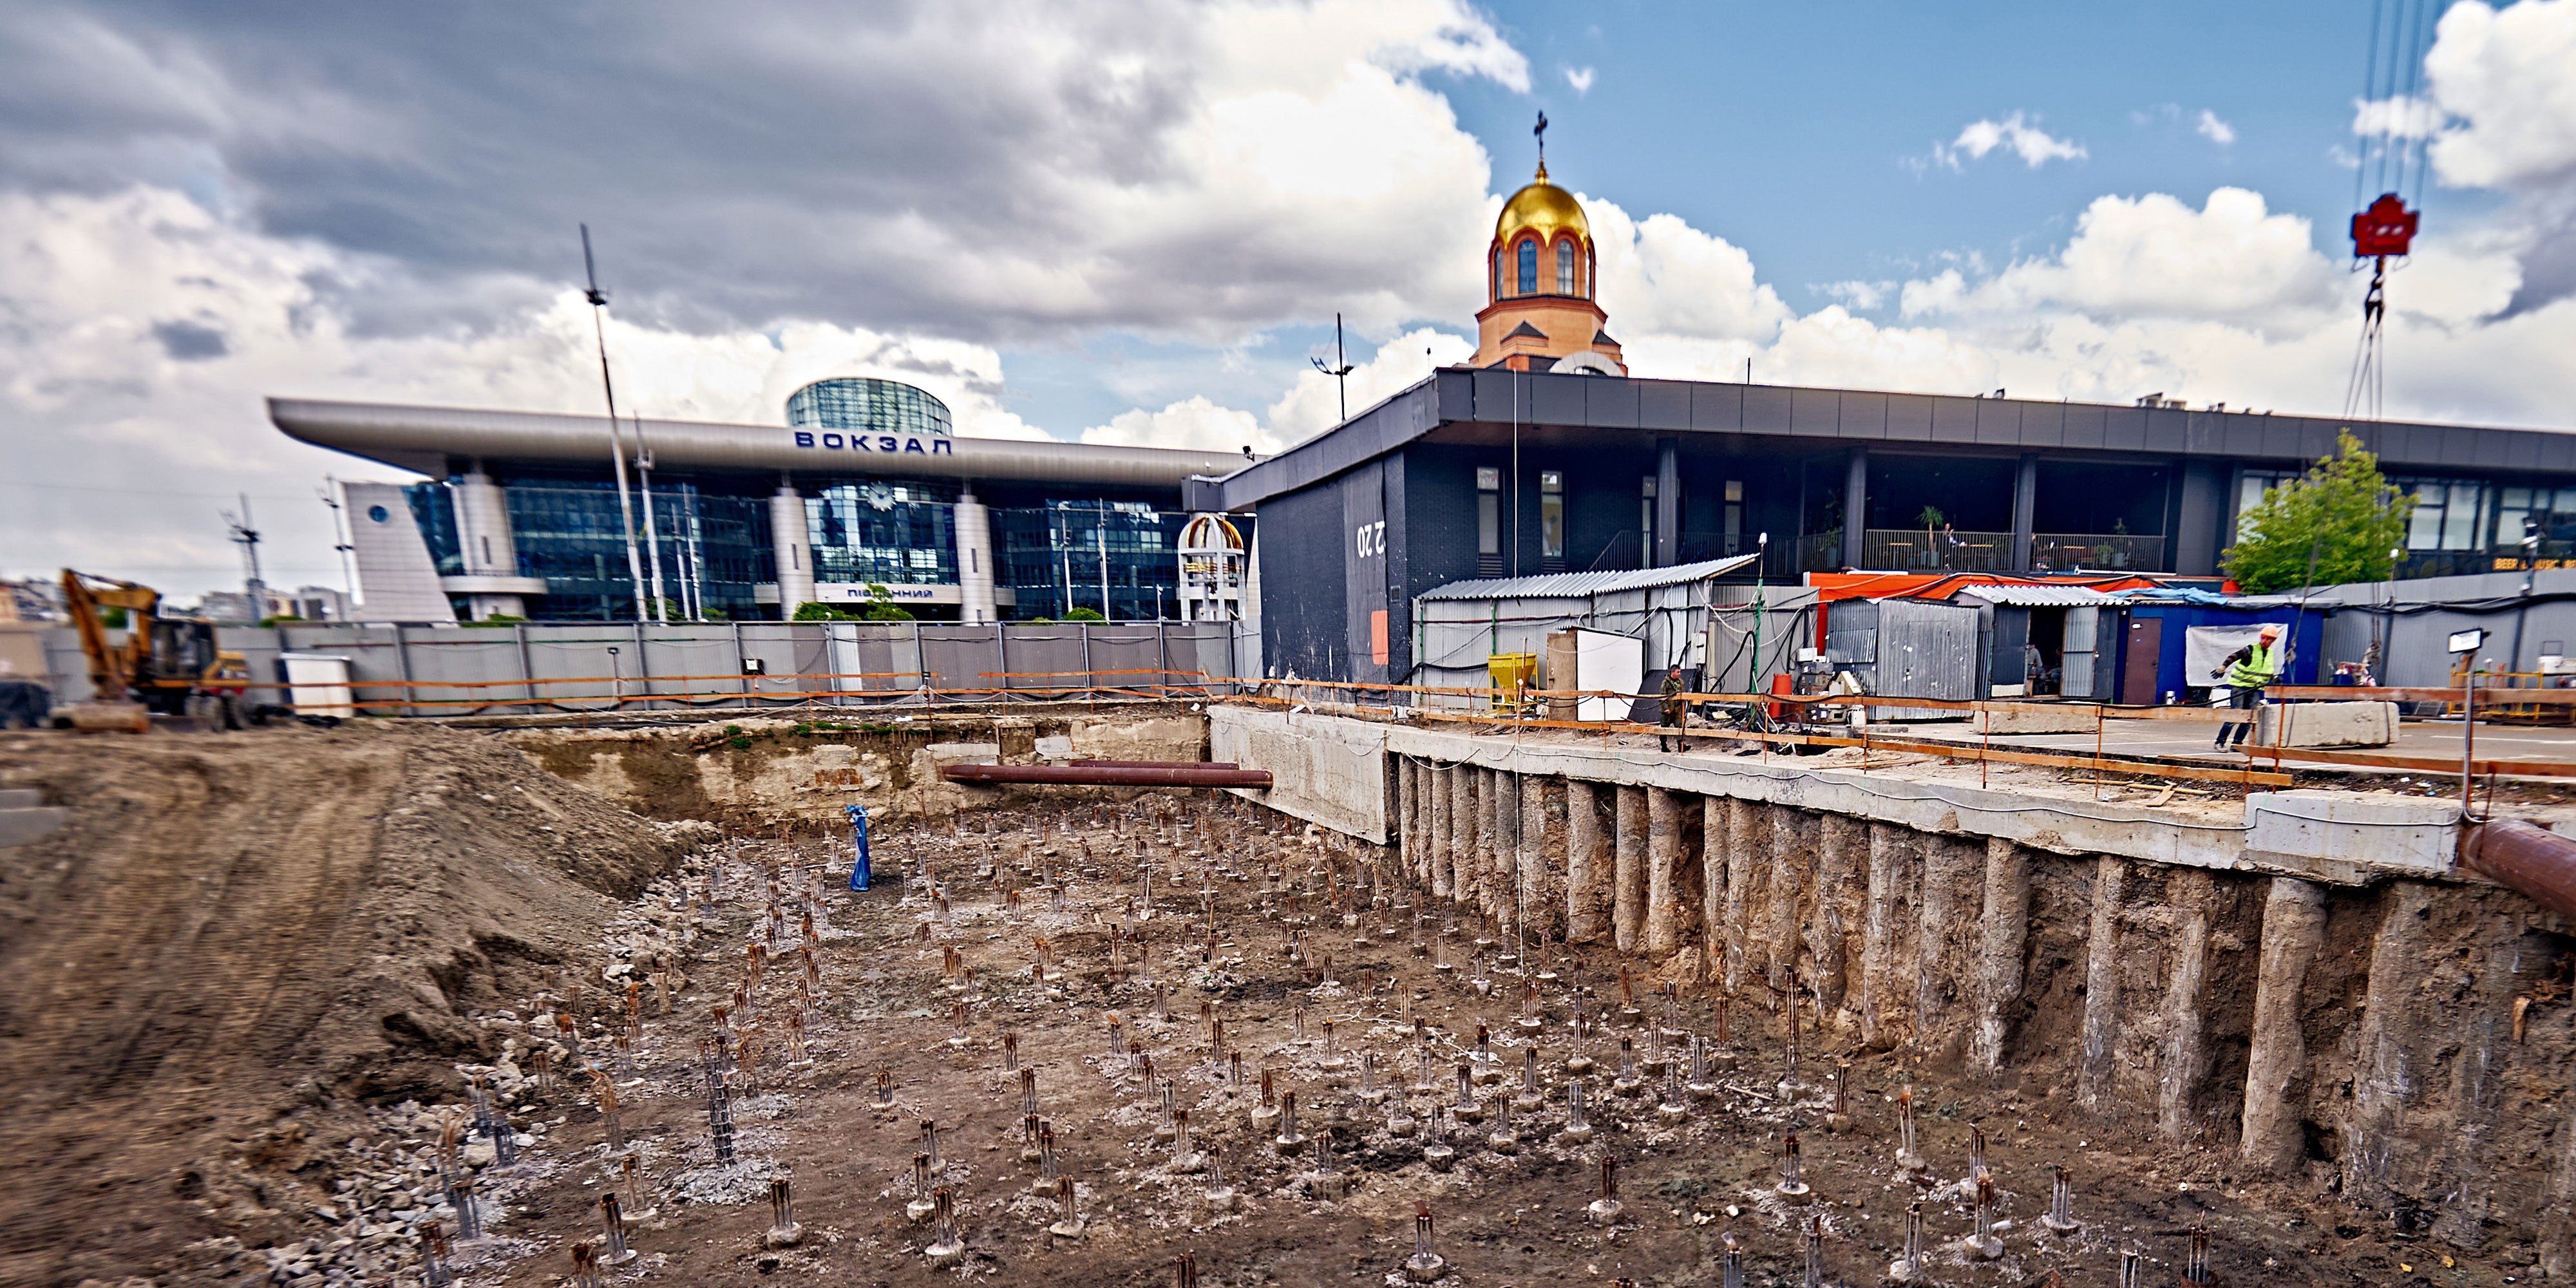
1565,269
1502,273
1529,266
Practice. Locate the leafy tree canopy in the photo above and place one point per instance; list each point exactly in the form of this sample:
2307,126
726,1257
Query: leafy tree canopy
2340,523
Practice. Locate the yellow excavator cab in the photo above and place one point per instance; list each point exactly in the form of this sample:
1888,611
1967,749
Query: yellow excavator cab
167,666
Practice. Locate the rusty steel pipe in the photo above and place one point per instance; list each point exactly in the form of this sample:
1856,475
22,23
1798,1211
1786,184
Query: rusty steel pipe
1157,764
2524,857
1107,775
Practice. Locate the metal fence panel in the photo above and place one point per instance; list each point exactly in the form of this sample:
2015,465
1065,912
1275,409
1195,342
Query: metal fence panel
573,668
957,657
542,667
787,653
1043,656
1136,648
1203,647
695,659
482,663
875,658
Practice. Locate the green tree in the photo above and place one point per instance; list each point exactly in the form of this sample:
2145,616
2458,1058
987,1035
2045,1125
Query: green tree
1083,615
815,610
882,608
2340,523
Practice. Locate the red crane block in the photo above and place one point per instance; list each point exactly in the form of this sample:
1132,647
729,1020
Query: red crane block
2386,228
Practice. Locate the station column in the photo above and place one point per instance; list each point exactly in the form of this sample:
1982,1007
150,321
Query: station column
484,542
793,547
974,560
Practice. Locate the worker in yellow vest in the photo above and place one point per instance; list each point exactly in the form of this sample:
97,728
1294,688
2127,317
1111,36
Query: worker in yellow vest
2247,671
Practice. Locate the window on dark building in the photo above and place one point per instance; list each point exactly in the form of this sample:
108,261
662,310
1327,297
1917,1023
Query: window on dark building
1551,519
1489,518
1646,523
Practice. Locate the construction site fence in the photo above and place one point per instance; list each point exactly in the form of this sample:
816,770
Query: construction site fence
533,668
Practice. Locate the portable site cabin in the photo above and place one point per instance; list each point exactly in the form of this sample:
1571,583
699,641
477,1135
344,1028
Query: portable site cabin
1457,627
2009,641
2043,641
2169,648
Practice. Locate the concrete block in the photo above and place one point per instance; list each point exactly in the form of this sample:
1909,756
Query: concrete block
2327,724
1055,748
1322,769
2037,717
20,798
25,826
2370,831
944,754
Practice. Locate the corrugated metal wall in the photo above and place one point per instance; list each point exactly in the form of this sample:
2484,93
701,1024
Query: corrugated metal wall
452,670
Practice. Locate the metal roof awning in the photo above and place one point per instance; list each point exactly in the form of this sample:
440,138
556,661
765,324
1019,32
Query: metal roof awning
428,440
1580,585
2041,596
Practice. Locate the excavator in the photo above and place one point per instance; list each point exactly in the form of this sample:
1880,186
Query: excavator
167,667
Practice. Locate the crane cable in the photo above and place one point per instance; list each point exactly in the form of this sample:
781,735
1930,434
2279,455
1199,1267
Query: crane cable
2392,160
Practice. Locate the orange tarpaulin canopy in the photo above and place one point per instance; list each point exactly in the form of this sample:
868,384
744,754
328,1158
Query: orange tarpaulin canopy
1833,586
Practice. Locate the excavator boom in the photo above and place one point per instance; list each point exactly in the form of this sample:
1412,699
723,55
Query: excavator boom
169,665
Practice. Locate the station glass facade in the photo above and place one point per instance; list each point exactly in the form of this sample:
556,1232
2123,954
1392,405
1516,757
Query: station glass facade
883,532
866,405
1054,554
1119,559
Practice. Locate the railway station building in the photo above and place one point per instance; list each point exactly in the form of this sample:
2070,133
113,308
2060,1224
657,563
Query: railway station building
864,485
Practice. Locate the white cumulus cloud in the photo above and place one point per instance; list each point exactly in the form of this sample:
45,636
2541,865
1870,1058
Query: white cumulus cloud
1193,422
1313,403
2018,133
2155,256
2508,79
1580,78
2208,126
1660,275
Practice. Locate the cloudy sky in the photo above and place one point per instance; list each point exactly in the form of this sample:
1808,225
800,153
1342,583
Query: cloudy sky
1133,222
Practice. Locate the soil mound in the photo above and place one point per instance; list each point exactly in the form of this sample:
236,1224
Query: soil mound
239,937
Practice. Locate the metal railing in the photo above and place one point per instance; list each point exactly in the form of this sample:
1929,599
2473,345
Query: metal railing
1935,550
2116,551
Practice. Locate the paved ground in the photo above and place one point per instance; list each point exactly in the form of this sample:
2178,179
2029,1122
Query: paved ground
2433,738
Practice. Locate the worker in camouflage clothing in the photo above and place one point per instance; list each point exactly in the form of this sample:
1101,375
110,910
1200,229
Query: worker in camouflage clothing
1674,712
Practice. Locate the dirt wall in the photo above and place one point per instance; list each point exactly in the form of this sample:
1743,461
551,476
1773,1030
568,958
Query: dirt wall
759,773
238,938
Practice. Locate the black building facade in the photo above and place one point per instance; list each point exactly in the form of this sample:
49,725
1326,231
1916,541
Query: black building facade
1489,473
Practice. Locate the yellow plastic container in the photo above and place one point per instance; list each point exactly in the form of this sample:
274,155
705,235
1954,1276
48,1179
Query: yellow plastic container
1512,675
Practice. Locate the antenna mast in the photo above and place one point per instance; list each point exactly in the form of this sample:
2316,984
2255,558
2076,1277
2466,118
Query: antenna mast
616,442
1341,369
247,537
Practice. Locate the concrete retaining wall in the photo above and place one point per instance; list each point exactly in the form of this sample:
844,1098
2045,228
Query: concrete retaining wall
2304,990
1322,769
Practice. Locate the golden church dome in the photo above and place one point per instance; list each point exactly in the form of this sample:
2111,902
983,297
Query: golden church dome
1544,209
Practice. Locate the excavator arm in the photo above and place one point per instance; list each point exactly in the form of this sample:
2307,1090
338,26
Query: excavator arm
112,670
